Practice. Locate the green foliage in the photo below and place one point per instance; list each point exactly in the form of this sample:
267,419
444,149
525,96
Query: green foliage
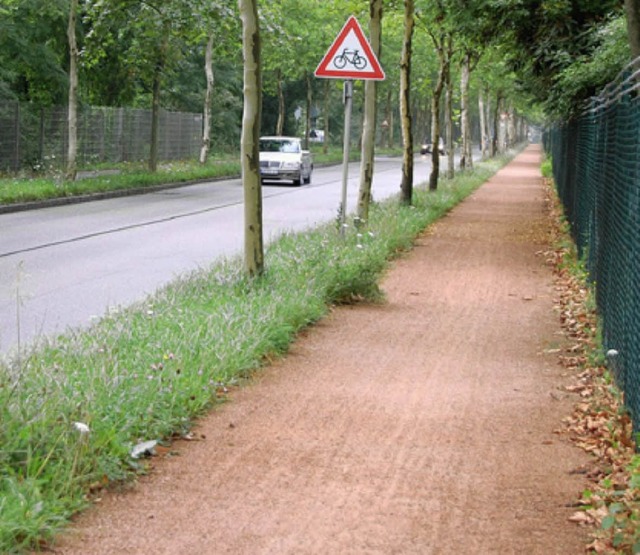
72,410
14,191
586,75
545,39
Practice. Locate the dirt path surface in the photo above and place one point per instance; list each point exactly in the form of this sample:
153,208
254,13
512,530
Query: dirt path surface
421,426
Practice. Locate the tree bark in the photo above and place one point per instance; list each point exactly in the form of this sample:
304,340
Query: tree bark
307,130
466,158
155,101
208,98
632,9
72,152
495,139
327,105
448,110
370,112
406,185
484,135
439,43
249,143
281,105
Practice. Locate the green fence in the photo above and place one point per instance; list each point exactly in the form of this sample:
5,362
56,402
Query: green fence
596,166
33,138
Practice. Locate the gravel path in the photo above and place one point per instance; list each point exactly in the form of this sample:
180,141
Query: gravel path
424,425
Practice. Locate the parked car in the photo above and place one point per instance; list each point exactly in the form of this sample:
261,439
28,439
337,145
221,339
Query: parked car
283,158
426,147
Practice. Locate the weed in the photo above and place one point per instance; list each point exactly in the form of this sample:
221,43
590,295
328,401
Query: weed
72,410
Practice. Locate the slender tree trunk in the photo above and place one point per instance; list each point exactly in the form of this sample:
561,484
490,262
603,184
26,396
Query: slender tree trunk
448,112
435,114
392,123
249,143
390,120
155,101
369,123
208,98
495,139
281,106
466,158
484,136
406,186
327,106
511,128
307,131
72,152
632,9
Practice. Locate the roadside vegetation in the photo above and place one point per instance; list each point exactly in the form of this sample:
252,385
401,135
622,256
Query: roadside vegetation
77,414
600,423
134,176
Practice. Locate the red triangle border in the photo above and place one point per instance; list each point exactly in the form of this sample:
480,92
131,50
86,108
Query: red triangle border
376,73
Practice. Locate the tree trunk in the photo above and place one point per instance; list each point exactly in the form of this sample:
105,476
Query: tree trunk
72,152
249,143
327,106
307,130
281,106
390,121
632,9
448,111
155,101
208,98
435,114
369,123
466,157
484,135
495,139
384,134
406,186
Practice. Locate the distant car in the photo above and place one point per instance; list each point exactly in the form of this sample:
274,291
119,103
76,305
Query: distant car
283,158
426,148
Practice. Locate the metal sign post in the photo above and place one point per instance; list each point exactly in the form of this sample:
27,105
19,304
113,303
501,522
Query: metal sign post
348,103
349,57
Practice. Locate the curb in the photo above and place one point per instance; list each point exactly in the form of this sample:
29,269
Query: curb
77,199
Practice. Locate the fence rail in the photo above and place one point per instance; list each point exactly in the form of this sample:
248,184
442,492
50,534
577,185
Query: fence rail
596,165
34,138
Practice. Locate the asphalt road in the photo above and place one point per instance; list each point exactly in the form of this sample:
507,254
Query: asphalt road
63,267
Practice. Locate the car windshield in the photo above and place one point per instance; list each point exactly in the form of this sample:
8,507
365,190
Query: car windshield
272,145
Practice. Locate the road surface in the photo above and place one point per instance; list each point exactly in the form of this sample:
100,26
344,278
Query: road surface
63,267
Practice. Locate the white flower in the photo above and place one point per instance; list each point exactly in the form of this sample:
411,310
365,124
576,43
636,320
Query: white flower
81,427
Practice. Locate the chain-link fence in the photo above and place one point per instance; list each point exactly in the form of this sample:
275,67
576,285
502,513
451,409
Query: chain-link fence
36,138
596,166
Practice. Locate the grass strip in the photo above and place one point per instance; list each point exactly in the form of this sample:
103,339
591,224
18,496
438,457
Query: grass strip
71,410
133,176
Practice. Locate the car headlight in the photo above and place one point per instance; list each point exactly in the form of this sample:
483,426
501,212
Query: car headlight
291,165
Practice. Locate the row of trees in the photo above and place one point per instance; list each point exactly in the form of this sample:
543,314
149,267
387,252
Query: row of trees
448,63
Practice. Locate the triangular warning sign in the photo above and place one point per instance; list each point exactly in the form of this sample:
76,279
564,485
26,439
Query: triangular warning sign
350,56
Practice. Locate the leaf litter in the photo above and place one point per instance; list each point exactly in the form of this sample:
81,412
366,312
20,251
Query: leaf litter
599,423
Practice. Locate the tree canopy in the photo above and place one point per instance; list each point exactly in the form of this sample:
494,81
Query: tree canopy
546,56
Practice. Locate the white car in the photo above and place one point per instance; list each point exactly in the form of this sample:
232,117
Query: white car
283,158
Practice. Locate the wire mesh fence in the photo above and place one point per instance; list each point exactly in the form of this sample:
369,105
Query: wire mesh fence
35,139
596,166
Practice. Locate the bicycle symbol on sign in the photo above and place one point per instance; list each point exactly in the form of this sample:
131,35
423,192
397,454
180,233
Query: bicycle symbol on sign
352,57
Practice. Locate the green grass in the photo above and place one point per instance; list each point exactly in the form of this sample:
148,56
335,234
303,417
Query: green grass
128,176
18,190
146,372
